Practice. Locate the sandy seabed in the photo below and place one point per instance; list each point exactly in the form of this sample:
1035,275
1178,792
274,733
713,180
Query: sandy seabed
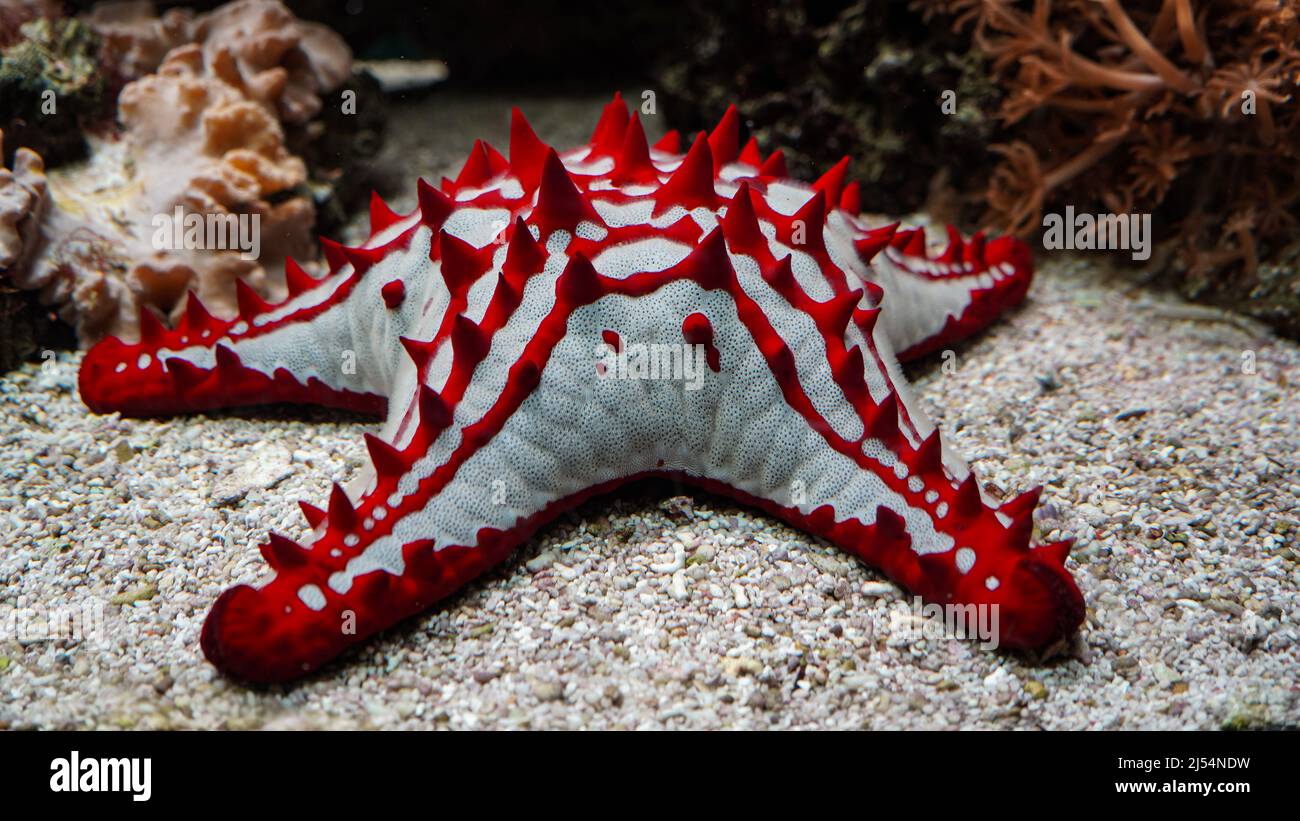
1166,438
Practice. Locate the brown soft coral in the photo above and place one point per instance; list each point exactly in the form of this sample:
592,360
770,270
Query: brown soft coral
135,38
202,134
257,46
22,202
275,58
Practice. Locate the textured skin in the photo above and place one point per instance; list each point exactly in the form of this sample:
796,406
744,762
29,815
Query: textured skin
476,323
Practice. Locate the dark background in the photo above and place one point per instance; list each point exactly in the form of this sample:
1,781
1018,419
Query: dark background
820,79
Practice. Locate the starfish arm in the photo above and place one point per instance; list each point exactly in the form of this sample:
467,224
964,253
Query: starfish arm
937,299
333,341
270,354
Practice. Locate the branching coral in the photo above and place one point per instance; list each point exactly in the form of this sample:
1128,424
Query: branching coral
1181,108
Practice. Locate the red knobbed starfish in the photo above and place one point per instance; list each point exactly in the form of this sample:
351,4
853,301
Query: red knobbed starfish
508,327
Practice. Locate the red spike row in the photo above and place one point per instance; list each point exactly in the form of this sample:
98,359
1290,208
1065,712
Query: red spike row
296,278
916,244
333,251
938,571
865,319
196,321
750,154
851,198
779,359
469,342
461,263
476,170
883,424
312,514
741,223
889,529
875,294
560,204
833,315
1022,504
226,358
709,265
1021,512
507,295
341,514
1056,552
832,182
185,375
953,252
607,139
435,413
774,166
873,241
435,206
152,329
669,143
691,185
283,553
724,141
496,162
780,275
967,501
381,216
527,152
387,459
929,454
901,238
421,353
249,301
633,165
579,283
812,217
363,259
974,250
525,256
848,370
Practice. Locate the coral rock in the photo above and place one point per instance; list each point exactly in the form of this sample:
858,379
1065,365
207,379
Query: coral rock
203,134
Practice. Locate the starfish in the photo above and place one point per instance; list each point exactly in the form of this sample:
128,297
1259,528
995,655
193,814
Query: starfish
547,327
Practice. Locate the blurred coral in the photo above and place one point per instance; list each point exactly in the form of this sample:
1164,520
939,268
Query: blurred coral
15,13
52,90
22,198
258,46
830,78
202,134
1178,108
135,39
